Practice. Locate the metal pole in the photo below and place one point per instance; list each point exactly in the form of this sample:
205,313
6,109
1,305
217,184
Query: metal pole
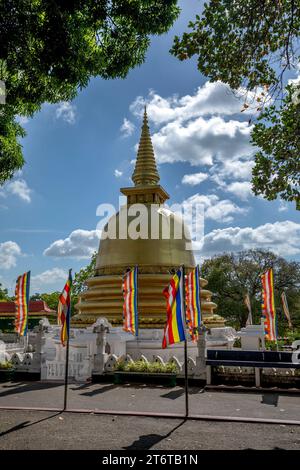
68,320
137,304
186,385
26,339
66,374
199,287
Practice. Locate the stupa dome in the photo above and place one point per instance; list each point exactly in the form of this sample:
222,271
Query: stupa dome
146,234
151,255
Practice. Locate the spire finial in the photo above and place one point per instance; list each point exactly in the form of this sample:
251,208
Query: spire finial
145,172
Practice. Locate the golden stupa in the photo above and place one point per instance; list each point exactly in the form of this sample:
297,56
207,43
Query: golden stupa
156,256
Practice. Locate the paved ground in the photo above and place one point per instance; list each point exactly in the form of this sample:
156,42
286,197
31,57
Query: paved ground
152,399
45,430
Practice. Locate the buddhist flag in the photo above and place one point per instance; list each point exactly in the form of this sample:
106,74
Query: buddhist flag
247,302
130,295
268,305
286,309
22,303
64,310
174,331
193,306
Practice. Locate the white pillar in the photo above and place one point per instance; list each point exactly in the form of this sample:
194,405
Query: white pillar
200,358
100,356
208,375
257,376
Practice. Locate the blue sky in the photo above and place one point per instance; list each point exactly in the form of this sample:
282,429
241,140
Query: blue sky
79,154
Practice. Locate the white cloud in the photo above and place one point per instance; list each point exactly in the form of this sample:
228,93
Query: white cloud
22,120
209,99
9,251
241,189
282,206
222,211
79,244
194,179
202,142
232,169
204,128
50,276
283,238
118,173
17,187
127,128
295,82
66,111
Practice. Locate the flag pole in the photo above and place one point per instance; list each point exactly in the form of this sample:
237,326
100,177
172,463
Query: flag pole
186,385
137,305
67,350
28,300
198,270
66,375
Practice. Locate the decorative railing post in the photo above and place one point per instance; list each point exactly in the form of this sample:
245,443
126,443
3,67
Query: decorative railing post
39,356
200,359
100,356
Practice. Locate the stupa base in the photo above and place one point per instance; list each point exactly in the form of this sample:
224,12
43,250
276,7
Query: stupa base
210,320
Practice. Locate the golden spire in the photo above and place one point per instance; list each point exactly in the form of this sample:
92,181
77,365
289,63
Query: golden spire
145,172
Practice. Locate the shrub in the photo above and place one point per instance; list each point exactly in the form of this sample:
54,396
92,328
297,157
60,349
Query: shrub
273,346
6,365
143,366
237,343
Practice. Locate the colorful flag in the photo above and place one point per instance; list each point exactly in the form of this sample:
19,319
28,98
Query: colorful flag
130,294
22,303
286,309
268,305
64,310
174,331
247,302
193,305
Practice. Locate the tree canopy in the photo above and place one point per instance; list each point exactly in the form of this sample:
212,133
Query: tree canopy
79,283
230,276
251,45
4,294
51,299
50,50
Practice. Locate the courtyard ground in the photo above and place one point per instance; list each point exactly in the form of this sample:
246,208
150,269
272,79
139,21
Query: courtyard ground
33,429
46,430
153,399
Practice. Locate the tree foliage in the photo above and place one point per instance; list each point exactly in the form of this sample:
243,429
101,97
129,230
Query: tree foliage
50,299
80,278
277,164
231,276
250,44
50,49
4,294
79,285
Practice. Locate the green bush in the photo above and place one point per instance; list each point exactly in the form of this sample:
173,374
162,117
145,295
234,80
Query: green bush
6,365
143,366
273,346
237,343
285,340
